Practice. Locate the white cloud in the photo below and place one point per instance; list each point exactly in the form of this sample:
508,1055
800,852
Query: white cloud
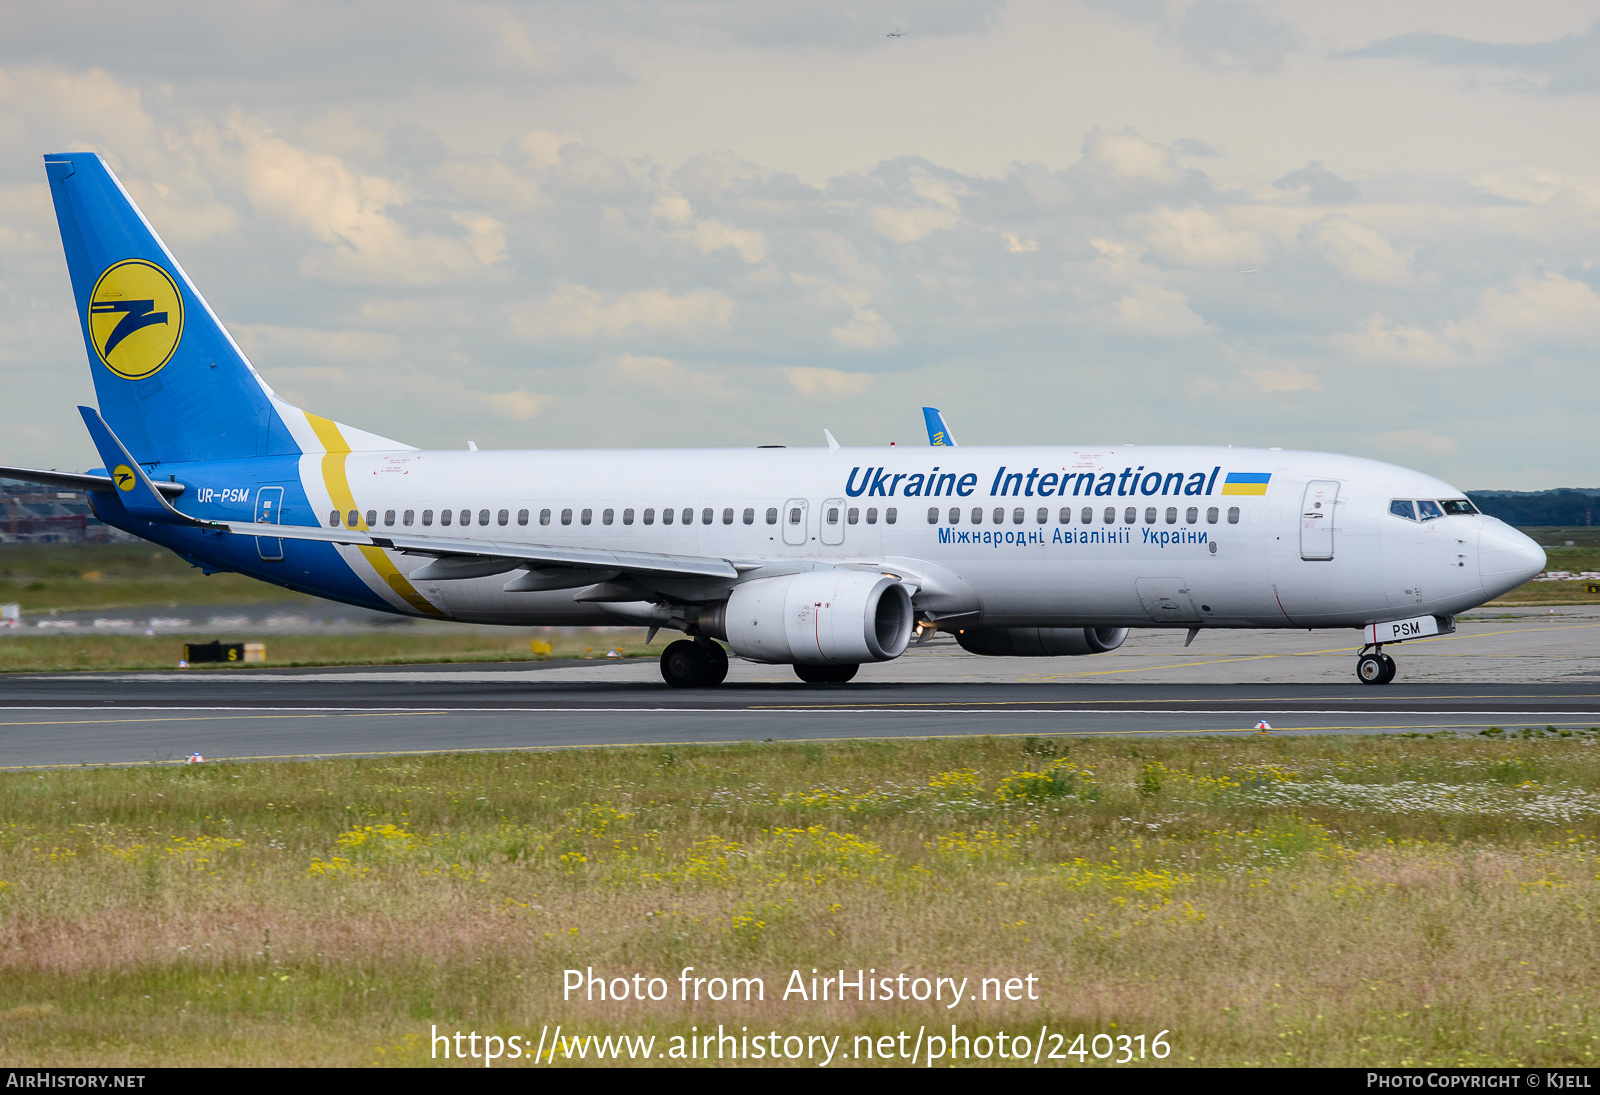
579,312
1150,311
1284,379
827,383
1358,251
1200,238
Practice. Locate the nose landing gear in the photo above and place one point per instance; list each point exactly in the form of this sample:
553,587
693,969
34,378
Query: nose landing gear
1374,666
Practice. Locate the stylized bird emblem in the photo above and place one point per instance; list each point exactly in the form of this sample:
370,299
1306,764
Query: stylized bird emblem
140,314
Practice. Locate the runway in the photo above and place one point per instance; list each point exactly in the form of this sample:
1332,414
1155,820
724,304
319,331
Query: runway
1507,671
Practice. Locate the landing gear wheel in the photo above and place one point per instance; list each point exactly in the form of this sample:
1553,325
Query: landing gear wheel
685,665
716,664
825,674
1375,669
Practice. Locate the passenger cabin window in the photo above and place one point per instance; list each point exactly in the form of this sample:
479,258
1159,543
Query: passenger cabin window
933,515
688,516
1428,510
372,518
852,516
483,517
466,517
587,517
446,516
522,517
1402,507
891,515
749,516
427,517
352,519
410,515
544,517
1193,516
388,517
977,515
627,516
566,517
1211,515
1087,516
667,516
1065,516
833,515
772,515
1111,515
607,516
333,519
503,517
1458,507
1233,515
872,515
1130,515
649,516
1043,515
727,516
955,515
705,516
1016,516
794,516
1150,515
999,516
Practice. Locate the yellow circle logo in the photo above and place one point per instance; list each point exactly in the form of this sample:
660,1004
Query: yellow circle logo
135,318
123,476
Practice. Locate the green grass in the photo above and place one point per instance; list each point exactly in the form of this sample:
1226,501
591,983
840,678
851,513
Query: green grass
41,577
1350,901
404,645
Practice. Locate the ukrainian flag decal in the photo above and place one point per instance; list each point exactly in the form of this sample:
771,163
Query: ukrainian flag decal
1246,482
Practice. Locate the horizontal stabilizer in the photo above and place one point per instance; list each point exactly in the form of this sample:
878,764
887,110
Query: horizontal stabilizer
101,484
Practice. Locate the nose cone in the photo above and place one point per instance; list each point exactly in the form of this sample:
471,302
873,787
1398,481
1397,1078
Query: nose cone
1506,558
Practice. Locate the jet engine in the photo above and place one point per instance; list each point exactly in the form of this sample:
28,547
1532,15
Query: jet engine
819,617
1040,642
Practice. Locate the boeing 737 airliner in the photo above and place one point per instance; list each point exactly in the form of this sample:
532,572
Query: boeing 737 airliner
818,558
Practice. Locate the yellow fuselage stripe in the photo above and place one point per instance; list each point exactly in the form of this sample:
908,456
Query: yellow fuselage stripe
337,480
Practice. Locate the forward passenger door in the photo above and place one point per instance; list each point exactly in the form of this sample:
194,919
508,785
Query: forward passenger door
1317,519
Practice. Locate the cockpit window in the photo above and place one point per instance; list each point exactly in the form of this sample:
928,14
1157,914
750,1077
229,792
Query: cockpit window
1429,510
1402,507
1458,507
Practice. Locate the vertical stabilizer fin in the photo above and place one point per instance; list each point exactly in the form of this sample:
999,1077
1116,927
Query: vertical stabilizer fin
938,432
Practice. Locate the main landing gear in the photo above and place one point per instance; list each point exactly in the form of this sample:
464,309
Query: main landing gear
694,663
1374,666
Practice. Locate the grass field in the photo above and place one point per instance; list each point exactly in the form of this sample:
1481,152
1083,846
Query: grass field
421,643
1331,900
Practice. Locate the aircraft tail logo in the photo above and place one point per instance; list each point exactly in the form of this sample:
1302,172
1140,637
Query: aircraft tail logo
135,318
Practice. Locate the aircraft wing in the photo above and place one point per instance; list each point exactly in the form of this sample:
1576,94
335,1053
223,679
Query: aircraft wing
91,483
628,562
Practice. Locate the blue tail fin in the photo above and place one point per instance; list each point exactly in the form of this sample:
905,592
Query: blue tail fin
938,432
170,379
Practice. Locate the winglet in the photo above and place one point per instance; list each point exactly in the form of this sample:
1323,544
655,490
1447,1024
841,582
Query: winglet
938,432
833,446
137,493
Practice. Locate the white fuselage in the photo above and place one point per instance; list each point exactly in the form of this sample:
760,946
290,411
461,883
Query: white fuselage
1159,548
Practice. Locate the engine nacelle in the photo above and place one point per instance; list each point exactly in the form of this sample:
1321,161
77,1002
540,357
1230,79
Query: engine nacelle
819,617
1040,642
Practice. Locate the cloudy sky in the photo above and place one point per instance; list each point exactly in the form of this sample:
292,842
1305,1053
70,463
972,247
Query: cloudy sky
1368,227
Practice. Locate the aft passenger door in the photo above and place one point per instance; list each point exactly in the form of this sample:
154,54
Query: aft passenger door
794,521
1317,519
269,507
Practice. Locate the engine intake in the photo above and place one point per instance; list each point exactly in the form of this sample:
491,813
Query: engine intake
819,617
1040,642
